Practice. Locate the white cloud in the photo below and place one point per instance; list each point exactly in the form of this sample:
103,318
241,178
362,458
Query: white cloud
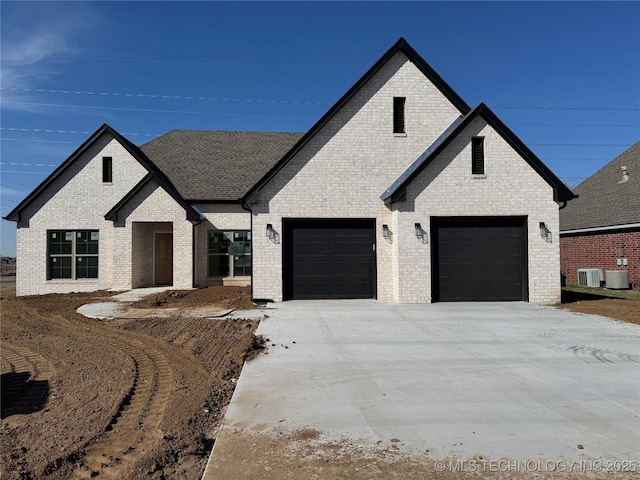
31,39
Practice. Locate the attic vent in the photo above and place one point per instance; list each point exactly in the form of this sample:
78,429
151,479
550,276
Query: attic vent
477,155
625,174
398,114
590,277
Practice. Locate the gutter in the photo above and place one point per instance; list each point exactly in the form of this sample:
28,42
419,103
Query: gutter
599,229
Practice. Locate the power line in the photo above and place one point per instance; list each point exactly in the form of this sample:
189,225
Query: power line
41,130
184,62
284,102
154,111
3,179
27,164
31,140
575,125
580,144
567,108
164,97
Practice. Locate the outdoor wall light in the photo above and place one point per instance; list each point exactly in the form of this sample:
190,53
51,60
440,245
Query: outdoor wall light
545,233
386,233
270,230
419,232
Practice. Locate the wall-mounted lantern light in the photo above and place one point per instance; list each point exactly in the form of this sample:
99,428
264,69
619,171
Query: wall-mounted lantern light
545,233
419,232
386,233
270,231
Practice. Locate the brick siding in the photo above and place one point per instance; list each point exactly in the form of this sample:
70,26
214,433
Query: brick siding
600,250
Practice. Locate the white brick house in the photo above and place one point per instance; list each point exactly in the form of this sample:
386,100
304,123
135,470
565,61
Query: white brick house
400,192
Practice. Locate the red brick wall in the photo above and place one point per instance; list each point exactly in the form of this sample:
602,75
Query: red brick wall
600,251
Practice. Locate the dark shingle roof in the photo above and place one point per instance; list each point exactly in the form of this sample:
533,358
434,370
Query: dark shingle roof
211,165
604,202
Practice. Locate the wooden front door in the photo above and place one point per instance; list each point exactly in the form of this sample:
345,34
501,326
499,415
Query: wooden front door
164,259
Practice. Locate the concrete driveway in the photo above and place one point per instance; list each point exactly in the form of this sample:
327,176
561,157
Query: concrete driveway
367,389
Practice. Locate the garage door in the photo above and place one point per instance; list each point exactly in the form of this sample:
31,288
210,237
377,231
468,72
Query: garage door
329,259
479,259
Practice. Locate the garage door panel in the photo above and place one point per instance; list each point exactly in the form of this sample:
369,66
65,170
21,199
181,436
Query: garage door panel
329,258
479,259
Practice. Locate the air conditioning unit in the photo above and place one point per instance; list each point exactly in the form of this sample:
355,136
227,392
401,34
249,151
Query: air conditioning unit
590,277
617,279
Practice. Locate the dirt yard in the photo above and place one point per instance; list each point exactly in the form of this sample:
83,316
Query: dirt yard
618,308
133,397
125,398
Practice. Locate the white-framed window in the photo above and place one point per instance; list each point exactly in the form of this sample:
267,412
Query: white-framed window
72,254
229,253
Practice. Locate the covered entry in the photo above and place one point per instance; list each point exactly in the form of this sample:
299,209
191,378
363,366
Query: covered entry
329,258
479,259
152,254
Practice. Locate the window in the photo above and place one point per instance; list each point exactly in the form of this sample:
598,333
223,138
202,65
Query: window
477,155
107,169
398,115
72,254
229,254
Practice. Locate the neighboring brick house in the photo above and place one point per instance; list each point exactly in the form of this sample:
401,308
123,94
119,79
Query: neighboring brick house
601,228
399,192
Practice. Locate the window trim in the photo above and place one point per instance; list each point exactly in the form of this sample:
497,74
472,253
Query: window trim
400,116
229,254
107,170
74,255
477,156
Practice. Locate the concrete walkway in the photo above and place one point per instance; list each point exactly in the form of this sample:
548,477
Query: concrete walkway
355,380
117,304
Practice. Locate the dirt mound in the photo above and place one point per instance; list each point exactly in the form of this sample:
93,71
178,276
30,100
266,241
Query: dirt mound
238,298
122,399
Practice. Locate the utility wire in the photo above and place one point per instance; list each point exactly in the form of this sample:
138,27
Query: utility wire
567,108
41,130
169,97
154,111
285,102
27,164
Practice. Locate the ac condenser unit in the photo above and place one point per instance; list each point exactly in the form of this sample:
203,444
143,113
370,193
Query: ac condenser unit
589,277
617,279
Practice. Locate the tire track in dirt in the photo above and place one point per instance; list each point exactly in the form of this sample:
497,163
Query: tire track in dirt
133,427
26,385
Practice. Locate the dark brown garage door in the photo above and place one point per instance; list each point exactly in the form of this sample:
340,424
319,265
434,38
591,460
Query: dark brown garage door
479,259
329,259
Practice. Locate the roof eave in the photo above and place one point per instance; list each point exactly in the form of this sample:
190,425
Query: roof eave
400,46
561,193
15,215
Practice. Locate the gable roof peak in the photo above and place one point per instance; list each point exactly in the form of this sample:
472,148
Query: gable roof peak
400,46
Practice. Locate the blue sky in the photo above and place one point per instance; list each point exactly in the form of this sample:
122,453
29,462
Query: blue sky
564,76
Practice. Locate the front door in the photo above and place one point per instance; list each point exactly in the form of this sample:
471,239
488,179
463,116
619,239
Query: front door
164,259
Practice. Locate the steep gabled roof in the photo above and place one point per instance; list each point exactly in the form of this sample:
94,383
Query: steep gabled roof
159,177
192,214
603,201
400,46
396,192
216,166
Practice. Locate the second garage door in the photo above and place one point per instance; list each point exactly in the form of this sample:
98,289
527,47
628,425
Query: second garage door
479,259
329,258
